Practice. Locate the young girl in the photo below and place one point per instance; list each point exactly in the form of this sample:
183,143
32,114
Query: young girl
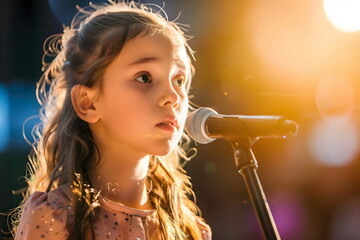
106,163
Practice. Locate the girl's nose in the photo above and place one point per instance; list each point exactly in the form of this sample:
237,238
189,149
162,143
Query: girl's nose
169,98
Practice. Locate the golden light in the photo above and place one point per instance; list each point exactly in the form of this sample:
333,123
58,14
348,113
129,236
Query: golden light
343,14
295,52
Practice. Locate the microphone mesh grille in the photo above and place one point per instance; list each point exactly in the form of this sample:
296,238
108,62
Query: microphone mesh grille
195,125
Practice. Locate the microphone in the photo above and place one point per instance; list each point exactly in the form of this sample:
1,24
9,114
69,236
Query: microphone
204,125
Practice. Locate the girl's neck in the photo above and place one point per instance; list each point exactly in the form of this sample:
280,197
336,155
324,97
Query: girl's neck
122,180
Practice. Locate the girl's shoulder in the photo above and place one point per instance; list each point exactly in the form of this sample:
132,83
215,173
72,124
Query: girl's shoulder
47,215
57,199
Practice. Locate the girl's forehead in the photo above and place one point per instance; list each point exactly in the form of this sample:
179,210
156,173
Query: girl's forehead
156,45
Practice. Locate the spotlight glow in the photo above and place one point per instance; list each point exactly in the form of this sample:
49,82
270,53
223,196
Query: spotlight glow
343,14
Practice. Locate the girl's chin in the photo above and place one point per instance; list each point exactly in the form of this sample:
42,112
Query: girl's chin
164,152
165,148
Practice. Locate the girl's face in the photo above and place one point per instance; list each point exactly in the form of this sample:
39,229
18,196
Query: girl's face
142,103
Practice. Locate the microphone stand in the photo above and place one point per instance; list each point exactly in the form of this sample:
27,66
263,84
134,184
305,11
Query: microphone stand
246,165
251,128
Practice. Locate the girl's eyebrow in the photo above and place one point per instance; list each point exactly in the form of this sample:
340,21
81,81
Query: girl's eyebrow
143,60
179,62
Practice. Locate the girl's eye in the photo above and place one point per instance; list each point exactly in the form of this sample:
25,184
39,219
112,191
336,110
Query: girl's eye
179,81
144,78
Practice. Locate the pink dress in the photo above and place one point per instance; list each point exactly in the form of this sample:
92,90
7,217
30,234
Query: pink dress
50,216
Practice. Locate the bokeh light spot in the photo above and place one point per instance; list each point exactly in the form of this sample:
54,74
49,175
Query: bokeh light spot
4,118
334,143
335,97
343,14
288,213
210,167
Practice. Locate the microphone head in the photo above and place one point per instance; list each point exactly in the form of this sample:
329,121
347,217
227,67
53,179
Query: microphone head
195,125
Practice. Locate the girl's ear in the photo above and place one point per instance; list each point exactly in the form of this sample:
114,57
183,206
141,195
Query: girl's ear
82,99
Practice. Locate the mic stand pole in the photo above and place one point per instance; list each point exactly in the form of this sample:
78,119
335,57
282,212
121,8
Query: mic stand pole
246,165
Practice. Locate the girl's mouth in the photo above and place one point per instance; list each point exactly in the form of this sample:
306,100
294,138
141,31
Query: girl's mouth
169,125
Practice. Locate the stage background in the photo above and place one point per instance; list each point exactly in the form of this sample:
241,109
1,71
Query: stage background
253,57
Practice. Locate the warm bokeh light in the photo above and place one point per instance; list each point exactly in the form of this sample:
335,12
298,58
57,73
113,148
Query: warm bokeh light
334,143
301,47
335,96
343,14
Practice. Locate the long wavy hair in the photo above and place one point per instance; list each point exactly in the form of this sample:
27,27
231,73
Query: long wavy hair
64,145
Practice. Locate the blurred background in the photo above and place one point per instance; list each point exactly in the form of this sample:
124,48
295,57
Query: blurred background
296,58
